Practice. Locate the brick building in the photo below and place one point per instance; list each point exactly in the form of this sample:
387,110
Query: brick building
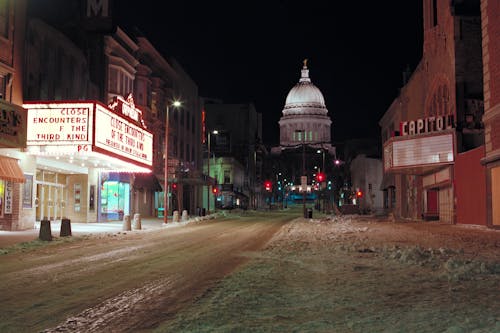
434,126
490,12
15,192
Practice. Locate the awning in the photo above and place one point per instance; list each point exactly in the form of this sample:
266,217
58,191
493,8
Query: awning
147,181
387,181
10,170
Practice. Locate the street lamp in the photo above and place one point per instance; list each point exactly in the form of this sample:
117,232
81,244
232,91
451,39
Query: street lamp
214,132
174,104
319,151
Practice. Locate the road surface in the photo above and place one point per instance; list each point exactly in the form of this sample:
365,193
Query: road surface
126,282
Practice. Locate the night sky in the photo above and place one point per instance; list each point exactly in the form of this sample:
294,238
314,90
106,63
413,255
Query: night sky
252,51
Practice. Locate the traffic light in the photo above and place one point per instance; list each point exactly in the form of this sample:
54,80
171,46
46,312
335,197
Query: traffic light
215,190
359,193
268,185
320,177
174,186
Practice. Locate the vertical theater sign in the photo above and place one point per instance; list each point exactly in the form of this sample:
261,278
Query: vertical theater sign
84,146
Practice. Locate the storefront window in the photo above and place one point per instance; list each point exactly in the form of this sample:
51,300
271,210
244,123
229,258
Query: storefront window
115,199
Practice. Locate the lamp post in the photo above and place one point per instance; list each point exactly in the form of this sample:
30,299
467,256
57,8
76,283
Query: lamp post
174,104
215,132
302,138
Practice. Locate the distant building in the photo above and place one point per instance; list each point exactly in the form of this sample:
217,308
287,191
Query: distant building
235,133
434,127
305,116
366,176
305,144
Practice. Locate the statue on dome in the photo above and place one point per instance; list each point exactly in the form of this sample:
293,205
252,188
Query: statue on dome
305,62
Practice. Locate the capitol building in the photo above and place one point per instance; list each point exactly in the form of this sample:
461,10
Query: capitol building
305,119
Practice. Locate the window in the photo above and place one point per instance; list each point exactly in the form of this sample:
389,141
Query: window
434,13
3,87
113,80
4,19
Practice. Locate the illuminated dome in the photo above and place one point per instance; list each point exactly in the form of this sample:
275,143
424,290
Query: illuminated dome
305,116
304,95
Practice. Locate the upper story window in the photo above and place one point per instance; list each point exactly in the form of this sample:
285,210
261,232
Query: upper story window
119,82
3,87
4,19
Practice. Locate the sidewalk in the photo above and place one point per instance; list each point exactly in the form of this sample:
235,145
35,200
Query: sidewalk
9,238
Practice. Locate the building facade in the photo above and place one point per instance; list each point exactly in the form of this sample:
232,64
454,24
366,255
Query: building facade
366,175
235,132
436,116
305,148
490,10
15,189
90,141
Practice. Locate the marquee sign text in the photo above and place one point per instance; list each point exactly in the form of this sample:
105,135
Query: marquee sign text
427,125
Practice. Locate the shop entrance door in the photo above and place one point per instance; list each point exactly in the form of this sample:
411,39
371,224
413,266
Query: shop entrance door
51,195
432,212
50,201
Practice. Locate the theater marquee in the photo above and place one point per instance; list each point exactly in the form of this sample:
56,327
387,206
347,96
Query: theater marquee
86,128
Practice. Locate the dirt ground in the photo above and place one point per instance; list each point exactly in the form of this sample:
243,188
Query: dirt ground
260,273
359,274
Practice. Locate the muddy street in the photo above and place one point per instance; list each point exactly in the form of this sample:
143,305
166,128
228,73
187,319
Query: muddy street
260,272
126,281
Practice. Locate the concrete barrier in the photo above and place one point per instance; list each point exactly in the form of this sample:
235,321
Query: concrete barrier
126,223
184,215
45,233
175,216
65,228
137,222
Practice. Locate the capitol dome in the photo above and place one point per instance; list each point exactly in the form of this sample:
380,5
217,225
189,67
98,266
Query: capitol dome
305,97
305,116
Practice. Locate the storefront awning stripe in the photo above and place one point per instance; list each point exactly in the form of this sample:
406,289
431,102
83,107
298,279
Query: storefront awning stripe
10,170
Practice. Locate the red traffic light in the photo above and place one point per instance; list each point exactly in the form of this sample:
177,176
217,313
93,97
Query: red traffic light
174,186
320,177
359,193
268,185
215,190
